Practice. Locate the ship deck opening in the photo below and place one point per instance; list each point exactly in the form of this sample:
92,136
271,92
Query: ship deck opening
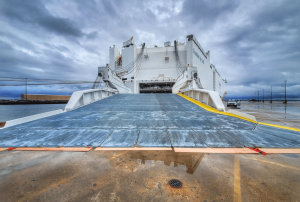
163,87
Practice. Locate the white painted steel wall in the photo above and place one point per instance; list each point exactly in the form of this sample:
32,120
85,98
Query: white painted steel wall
85,97
113,80
114,54
155,65
196,58
128,55
208,97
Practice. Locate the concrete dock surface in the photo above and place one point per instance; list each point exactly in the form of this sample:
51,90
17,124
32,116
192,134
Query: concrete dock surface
129,175
274,113
144,175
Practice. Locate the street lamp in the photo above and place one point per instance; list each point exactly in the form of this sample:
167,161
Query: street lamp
285,101
26,89
271,95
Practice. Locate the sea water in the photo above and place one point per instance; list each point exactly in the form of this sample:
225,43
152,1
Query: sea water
10,112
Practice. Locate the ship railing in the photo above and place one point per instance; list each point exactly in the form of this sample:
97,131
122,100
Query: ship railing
85,97
198,83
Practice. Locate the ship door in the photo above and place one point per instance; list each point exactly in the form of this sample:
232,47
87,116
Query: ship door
165,87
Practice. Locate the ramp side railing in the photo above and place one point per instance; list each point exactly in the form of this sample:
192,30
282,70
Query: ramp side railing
85,97
210,98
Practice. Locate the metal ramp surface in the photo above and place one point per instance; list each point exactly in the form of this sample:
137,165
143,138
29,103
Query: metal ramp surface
145,120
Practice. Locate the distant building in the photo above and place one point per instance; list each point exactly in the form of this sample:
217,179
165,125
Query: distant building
45,97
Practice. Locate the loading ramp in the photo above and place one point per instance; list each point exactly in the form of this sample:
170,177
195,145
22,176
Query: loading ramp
146,121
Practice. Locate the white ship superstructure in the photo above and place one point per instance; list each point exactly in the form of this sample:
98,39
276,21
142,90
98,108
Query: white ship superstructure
172,68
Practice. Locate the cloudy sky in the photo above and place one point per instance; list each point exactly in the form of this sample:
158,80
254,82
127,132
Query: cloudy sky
254,44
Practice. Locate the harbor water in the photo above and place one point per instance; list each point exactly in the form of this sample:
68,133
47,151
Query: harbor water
10,112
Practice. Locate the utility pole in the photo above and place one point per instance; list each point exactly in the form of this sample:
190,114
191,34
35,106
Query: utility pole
26,88
271,95
285,101
263,95
257,96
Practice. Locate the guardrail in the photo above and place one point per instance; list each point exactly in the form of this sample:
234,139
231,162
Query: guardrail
210,98
85,97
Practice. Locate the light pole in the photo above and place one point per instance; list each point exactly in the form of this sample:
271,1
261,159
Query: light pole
26,88
257,96
263,95
285,101
271,95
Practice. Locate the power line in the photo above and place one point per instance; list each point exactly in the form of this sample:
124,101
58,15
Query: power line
34,81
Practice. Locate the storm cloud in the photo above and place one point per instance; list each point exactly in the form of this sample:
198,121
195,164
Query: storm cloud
253,44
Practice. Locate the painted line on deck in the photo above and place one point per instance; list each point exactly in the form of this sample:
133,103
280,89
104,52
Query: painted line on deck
237,181
211,109
278,126
274,163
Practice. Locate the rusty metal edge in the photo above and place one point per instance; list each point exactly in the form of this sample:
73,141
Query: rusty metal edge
131,148
217,150
72,149
281,151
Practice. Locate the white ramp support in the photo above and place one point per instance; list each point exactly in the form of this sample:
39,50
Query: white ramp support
248,116
208,97
85,97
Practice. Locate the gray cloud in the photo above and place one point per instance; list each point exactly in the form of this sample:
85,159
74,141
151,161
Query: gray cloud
253,44
34,12
205,12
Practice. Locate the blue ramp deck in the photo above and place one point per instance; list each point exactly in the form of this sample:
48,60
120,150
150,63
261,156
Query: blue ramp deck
145,120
